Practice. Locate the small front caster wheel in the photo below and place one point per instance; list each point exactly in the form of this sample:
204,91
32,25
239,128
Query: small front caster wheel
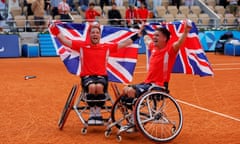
119,138
107,133
84,131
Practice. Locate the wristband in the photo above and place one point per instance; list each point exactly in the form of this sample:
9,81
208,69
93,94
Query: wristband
134,37
144,32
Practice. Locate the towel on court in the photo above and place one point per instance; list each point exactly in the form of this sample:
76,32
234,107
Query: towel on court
120,65
191,58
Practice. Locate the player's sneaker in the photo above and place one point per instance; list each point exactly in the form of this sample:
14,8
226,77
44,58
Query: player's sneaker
99,120
92,121
131,128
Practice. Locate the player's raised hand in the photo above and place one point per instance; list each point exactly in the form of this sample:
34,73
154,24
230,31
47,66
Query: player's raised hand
53,28
142,31
188,25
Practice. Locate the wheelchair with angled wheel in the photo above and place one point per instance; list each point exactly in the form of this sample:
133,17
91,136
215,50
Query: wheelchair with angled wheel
155,114
81,107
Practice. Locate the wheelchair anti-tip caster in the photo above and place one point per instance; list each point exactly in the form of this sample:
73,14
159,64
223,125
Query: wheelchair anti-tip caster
119,138
108,133
84,130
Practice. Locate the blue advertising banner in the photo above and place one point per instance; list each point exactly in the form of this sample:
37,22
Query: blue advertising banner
9,46
209,38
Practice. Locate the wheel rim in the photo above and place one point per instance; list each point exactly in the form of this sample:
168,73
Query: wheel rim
68,106
157,117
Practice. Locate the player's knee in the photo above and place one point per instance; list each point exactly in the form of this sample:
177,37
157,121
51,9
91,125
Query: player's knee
129,91
99,88
91,88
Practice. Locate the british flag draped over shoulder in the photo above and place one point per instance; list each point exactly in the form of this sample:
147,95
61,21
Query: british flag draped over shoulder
120,65
191,58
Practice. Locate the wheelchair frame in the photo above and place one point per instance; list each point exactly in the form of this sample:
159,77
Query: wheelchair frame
157,115
82,109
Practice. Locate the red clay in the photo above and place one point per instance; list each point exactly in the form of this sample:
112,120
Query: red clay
30,109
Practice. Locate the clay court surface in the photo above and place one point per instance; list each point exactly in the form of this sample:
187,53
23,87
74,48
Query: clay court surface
30,109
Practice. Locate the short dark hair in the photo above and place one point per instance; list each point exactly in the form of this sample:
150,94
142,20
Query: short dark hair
91,4
165,32
131,6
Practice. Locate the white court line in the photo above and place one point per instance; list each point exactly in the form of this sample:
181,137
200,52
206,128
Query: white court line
219,69
223,64
214,69
227,64
204,109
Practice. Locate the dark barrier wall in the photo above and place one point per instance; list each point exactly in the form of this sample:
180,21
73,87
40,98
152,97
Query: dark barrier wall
9,46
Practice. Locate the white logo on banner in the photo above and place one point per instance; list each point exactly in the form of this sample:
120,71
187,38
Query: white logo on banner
2,49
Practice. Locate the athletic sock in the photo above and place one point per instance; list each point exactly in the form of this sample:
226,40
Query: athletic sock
98,112
92,112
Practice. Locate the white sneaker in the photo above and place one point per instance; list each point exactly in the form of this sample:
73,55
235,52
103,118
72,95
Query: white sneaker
99,120
92,117
129,128
131,124
92,121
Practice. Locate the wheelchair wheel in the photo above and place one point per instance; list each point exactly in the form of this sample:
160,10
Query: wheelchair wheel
158,116
120,114
68,106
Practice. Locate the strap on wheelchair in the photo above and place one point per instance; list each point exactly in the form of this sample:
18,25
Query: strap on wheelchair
166,87
128,101
101,98
159,88
91,97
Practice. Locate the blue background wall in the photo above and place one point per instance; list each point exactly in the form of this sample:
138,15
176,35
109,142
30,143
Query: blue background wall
9,44
209,38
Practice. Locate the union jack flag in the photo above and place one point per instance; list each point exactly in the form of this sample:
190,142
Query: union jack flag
191,58
120,65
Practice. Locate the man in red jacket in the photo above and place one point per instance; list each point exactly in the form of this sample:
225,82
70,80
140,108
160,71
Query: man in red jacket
91,13
131,16
142,13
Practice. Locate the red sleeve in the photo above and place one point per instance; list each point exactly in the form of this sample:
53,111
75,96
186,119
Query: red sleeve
77,44
171,51
139,13
87,16
135,13
113,47
97,13
145,13
127,16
